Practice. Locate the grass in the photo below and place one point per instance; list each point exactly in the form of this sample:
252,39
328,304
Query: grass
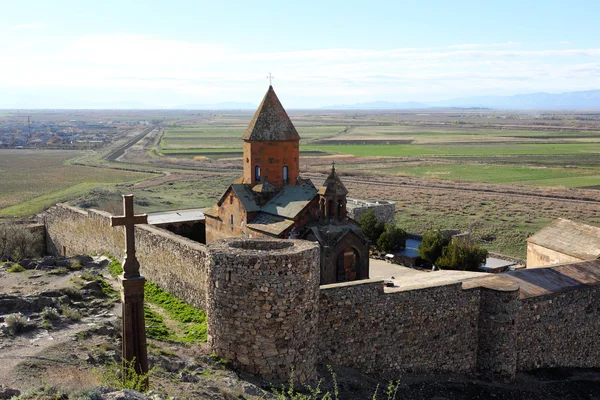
527,175
189,323
458,149
16,268
35,179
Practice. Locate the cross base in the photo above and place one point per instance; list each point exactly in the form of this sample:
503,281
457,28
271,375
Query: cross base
134,328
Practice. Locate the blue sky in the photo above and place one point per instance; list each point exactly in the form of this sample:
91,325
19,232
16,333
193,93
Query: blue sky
166,53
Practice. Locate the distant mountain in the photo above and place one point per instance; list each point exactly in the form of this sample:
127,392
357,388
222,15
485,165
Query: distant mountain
586,100
227,105
377,105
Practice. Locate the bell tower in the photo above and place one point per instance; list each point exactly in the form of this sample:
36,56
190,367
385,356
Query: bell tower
332,199
271,146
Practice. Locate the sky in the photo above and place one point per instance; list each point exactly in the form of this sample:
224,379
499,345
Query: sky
164,54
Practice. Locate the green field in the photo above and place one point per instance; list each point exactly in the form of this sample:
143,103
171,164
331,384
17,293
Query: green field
522,175
33,180
406,150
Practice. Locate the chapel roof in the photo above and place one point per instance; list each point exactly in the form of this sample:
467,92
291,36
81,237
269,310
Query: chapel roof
333,185
569,237
289,201
271,122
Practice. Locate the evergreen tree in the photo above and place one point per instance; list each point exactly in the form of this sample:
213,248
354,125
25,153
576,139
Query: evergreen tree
371,226
432,245
392,238
462,255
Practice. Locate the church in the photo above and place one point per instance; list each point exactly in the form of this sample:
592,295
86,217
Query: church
272,200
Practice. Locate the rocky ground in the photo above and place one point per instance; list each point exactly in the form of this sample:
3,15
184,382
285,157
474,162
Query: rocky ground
67,346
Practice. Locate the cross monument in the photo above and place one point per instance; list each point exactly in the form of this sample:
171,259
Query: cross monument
132,292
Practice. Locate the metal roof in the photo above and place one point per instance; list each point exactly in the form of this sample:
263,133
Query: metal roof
268,223
289,201
270,122
571,238
170,217
543,281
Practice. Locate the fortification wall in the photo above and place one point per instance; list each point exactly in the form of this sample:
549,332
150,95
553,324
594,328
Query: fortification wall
176,264
539,256
262,306
385,211
426,330
560,330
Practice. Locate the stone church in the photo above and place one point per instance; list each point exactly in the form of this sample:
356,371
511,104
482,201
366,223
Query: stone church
271,200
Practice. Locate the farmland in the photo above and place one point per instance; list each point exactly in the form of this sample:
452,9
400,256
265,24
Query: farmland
34,179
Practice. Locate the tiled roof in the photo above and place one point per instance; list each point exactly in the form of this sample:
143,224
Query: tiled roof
271,224
271,122
333,185
244,193
264,187
571,238
289,201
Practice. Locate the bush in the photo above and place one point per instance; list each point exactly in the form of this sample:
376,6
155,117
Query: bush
70,313
16,268
392,238
17,242
432,245
371,226
462,255
50,313
124,376
16,323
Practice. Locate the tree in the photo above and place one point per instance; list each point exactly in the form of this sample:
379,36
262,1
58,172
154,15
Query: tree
371,226
432,245
392,238
462,255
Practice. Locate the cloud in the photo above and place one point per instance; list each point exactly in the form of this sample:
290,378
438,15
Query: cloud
180,71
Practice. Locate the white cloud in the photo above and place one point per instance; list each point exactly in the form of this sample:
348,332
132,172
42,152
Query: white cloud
182,71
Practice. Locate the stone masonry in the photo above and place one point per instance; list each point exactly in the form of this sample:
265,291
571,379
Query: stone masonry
385,211
267,313
262,302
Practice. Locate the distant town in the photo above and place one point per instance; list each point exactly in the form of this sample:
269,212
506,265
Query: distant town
26,132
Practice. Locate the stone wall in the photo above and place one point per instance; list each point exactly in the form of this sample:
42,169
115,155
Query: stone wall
385,211
176,264
262,306
426,330
560,330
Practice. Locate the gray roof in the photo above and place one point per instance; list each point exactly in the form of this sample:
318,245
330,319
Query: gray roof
568,237
268,223
289,201
271,122
246,196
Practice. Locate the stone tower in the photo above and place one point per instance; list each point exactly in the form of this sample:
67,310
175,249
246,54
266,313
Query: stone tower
262,306
271,146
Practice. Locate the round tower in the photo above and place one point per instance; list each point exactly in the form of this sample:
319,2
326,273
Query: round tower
262,306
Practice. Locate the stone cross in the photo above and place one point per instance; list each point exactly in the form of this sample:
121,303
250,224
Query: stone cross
131,266
270,78
132,293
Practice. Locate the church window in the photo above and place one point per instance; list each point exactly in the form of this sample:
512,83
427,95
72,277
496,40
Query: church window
285,173
257,173
230,199
231,219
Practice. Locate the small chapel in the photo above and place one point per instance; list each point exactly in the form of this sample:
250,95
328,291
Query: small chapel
272,200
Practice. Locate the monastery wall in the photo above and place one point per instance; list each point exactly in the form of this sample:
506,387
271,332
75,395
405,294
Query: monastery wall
175,263
560,330
267,313
385,211
426,330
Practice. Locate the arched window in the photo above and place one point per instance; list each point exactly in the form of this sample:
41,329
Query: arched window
257,173
285,173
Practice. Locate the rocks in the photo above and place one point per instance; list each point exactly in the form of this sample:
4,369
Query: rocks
8,393
126,394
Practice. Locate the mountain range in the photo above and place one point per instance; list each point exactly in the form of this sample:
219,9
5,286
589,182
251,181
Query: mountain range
582,100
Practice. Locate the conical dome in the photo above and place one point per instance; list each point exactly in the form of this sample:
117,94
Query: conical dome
270,122
333,185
